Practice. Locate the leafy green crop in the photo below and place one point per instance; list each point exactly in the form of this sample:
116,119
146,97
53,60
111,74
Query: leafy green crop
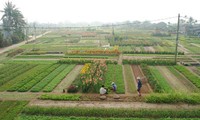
193,98
115,74
161,80
70,97
112,112
189,75
58,79
38,78
32,73
39,86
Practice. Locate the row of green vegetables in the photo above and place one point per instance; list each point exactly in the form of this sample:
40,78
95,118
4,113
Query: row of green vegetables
10,109
15,76
189,75
175,97
40,117
111,112
156,80
115,74
34,77
149,52
149,62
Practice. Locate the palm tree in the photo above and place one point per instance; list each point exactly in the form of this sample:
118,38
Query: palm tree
13,21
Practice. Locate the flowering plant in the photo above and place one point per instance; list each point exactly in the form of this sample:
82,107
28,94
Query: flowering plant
92,75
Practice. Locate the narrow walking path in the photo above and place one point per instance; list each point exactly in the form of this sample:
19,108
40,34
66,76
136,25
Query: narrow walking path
2,50
66,82
177,84
105,104
120,59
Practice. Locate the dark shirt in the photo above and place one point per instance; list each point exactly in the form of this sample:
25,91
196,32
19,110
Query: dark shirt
139,84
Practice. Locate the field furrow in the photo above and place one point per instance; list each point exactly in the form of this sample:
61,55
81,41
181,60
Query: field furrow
58,79
32,73
176,83
129,79
67,81
138,73
39,86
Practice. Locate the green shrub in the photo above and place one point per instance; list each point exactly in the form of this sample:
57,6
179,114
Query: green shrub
82,61
189,75
193,98
149,52
112,112
72,89
149,62
70,97
151,79
15,52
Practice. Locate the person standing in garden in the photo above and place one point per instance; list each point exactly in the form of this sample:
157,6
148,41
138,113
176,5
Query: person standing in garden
103,90
114,87
139,85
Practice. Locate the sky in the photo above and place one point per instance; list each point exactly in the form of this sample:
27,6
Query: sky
106,11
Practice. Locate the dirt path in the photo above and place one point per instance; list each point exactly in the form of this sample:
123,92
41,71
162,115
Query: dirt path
66,82
183,49
194,70
197,45
179,85
120,59
138,73
187,53
2,50
105,104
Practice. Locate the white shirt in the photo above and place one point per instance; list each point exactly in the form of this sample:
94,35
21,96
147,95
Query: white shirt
102,90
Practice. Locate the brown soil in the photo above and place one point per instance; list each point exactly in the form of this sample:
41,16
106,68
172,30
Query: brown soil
138,73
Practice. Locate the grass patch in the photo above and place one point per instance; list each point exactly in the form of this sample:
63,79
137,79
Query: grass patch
115,74
10,109
161,80
189,75
111,112
129,79
67,97
193,98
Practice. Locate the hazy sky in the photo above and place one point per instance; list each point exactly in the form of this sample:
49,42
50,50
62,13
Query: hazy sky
54,11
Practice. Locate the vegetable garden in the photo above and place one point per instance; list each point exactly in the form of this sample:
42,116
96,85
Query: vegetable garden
68,67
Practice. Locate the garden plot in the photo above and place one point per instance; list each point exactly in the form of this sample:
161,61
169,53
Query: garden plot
58,78
178,84
149,49
114,74
138,73
194,70
10,109
15,76
67,81
130,82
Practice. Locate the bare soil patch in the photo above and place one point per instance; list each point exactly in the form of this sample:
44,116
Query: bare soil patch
138,73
